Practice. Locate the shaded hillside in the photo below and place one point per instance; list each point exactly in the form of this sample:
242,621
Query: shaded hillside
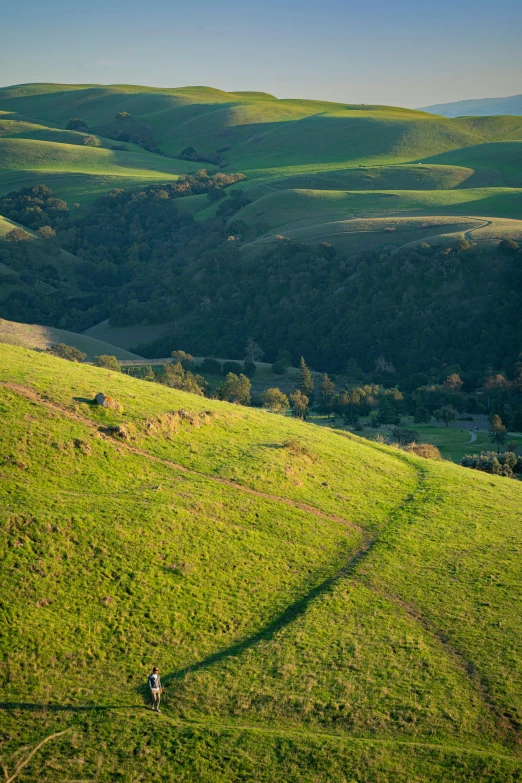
320,607
43,337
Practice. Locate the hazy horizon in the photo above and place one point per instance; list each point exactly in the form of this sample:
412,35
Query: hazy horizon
402,55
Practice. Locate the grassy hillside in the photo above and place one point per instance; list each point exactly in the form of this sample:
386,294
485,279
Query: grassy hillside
24,162
7,225
322,608
281,144
501,160
290,206
43,337
356,219
400,177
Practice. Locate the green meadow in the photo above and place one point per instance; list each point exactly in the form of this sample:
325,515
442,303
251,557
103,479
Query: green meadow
453,442
320,607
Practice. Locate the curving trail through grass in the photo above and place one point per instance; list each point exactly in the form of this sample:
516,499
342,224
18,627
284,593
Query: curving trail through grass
347,572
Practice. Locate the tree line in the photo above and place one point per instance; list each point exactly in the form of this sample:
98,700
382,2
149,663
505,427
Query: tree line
408,319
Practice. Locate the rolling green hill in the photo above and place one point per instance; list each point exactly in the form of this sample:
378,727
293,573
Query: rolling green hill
332,215
280,144
321,607
24,162
364,179
259,131
501,160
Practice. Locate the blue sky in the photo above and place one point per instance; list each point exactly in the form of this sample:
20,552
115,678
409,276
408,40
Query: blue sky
375,51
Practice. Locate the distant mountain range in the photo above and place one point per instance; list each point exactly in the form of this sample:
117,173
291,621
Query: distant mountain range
478,107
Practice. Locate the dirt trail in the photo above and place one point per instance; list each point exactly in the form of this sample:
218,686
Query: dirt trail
32,395
27,759
468,234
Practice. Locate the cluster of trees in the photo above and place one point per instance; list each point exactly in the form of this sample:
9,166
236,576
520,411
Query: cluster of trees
35,207
194,184
39,290
216,158
499,464
76,124
408,320
68,352
425,310
133,129
73,354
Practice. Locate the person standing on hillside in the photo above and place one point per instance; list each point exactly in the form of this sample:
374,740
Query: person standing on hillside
155,689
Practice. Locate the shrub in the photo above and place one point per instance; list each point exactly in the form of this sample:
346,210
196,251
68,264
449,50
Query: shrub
426,450
279,367
215,194
175,376
122,431
508,246
211,367
299,403
404,436
275,400
107,361
46,232
68,352
233,367
236,388
76,124
185,359
189,153
297,447
18,235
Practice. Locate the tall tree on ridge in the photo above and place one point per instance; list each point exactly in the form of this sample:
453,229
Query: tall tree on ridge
306,384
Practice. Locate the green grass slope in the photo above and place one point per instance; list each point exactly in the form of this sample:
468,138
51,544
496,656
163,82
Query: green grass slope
40,337
53,156
400,177
261,131
280,144
359,218
291,206
7,225
322,608
501,160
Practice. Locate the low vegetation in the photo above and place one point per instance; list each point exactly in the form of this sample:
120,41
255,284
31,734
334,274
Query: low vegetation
320,607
